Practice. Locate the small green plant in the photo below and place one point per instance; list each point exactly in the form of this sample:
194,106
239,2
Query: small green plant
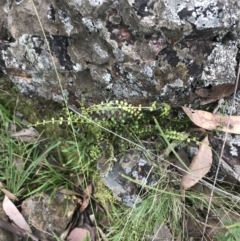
121,118
232,233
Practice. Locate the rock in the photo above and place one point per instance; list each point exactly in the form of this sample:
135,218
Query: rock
161,233
127,49
229,168
47,215
134,165
212,74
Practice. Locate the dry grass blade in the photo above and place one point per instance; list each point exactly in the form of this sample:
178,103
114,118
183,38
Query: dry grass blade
211,121
67,192
199,166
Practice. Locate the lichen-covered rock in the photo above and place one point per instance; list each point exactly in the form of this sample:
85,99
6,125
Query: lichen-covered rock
133,165
48,216
213,72
127,49
230,166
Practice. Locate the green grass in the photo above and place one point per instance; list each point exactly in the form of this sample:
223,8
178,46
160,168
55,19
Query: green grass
157,209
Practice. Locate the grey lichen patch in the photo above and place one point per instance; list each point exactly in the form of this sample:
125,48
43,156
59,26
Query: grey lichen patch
64,17
132,164
134,81
24,86
233,141
118,54
233,151
10,61
18,1
130,86
38,77
96,2
131,78
101,52
231,105
170,12
100,75
130,51
220,66
60,98
77,67
120,90
177,18
30,52
7,7
231,148
208,14
118,191
148,69
30,48
107,77
78,2
205,14
177,83
91,25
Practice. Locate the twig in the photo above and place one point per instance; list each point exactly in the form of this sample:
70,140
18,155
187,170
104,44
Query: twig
103,236
17,231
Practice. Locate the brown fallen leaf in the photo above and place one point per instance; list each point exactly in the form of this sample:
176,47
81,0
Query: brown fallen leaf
86,197
216,92
78,234
8,193
13,213
80,217
210,121
199,166
26,135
